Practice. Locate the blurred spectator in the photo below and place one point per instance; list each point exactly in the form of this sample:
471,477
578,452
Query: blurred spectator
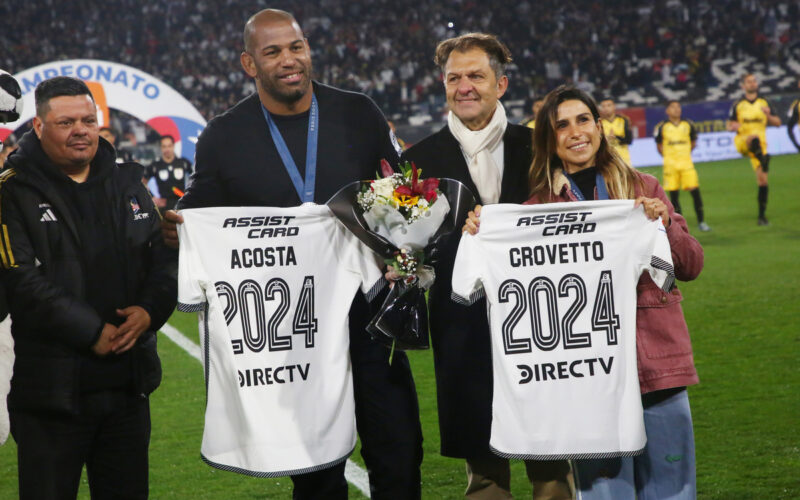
9,145
382,47
168,175
109,135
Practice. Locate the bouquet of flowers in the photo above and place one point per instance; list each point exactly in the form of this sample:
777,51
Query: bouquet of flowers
407,212
403,218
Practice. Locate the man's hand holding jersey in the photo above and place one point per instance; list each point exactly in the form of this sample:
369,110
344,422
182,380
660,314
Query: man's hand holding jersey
169,228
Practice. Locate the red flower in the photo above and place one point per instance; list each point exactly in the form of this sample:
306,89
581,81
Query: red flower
386,169
426,188
429,187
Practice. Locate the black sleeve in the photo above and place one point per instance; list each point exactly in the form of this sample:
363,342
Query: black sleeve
628,137
47,307
692,131
659,136
204,185
794,119
388,148
732,115
3,303
187,166
159,293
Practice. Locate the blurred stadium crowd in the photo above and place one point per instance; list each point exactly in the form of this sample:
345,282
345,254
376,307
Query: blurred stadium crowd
638,52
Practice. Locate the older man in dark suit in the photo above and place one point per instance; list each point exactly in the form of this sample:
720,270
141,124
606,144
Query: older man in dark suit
491,156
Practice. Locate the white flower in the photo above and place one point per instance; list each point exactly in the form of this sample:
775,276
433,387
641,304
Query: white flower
366,199
383,187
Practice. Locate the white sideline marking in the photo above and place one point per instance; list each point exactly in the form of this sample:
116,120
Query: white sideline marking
354,474
182,340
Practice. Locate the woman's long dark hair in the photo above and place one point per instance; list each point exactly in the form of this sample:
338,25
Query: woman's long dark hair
621,179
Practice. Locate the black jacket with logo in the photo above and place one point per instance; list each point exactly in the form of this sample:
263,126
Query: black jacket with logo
45,270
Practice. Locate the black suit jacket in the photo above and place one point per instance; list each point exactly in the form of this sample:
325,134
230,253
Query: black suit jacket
460,334
237,164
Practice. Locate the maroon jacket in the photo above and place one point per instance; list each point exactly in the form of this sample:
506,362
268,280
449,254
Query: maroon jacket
663,346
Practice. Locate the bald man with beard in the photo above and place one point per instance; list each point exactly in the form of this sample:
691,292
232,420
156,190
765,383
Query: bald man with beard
239,163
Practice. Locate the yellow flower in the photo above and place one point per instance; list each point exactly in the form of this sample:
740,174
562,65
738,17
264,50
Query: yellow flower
404,200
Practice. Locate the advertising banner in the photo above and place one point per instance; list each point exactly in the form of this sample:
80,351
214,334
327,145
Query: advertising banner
638,119
123,88
711,146
707,116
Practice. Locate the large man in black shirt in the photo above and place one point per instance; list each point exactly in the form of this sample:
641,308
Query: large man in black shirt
239,161
89,283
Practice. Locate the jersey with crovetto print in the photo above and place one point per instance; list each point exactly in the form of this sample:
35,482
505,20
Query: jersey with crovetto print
560,280
273,288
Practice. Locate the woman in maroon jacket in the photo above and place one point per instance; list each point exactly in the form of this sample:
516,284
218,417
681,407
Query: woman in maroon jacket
572,156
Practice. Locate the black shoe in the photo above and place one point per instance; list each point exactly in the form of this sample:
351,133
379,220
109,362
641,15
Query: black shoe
765,164
762,221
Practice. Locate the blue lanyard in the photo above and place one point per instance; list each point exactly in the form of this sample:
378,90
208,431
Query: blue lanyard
304,188
602,192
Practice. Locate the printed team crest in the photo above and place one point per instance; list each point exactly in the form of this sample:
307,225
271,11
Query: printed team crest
178,173
163,174
137,209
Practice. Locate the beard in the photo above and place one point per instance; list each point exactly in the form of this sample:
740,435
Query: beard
282,92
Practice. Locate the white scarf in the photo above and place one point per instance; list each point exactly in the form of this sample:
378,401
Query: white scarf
477,146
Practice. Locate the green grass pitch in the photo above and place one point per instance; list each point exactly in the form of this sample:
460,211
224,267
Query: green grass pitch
744,315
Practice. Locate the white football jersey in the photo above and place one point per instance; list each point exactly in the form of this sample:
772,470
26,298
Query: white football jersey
273,288
560,282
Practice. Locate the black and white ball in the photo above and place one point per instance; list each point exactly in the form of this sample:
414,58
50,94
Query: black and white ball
10,98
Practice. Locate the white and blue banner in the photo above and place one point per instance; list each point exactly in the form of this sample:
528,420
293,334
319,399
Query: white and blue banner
123,88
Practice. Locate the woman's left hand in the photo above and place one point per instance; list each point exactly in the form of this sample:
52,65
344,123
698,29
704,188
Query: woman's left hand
473,222
654,208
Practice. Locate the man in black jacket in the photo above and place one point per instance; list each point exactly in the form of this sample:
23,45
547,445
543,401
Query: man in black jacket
491,156
296,141
89,282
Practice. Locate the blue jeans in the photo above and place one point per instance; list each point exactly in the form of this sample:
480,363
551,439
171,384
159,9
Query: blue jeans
666,469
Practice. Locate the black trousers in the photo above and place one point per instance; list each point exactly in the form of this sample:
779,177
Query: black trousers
111,436
387,419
